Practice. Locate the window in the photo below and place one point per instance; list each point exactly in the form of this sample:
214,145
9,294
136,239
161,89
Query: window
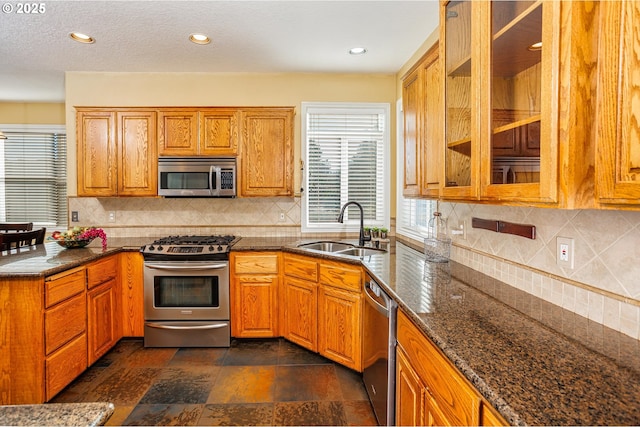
345,152
412,215
33,182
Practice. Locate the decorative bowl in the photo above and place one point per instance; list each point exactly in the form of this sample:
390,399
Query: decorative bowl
72,243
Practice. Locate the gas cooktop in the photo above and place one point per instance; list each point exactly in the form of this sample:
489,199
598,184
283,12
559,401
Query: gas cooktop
189,248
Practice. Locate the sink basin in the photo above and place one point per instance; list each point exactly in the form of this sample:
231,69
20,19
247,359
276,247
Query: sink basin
361,251
327,246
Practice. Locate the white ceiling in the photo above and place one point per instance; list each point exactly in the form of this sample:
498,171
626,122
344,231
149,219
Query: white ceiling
264,36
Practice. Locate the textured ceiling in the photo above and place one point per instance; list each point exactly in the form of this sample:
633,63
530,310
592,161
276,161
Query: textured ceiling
248,36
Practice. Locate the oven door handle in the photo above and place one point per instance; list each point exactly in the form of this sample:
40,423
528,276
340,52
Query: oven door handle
159,326
198,267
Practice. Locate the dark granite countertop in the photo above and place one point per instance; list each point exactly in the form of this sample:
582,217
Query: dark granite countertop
56,414
535,362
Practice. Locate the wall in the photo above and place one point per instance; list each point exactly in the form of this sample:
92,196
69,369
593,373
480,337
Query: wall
32,113
604,285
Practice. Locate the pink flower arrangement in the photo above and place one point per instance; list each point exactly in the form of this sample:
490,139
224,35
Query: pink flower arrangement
92,232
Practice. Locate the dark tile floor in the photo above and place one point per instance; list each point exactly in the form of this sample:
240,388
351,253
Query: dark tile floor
254,382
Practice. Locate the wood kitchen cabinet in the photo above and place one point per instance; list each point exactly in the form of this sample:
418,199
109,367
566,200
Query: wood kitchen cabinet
198,132
422,110
300,300
131,291
43,335
508,103
117,154
429,388
340,313
266,157
254,294
103,307
617,174
65,329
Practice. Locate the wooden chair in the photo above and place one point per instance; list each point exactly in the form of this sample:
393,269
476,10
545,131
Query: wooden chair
21,238
15,226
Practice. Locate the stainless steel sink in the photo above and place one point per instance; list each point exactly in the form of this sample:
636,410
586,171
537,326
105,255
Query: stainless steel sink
361,252
326,246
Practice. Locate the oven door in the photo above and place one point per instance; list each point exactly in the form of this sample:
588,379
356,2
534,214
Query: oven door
186,290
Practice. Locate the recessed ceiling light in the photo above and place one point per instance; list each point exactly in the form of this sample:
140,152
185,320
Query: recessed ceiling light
199,39
357,51
535,46
81,38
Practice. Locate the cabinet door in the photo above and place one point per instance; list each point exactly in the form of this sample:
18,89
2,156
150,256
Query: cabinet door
431,152
101,320
339,326
131,275
410,393
459,31
412,113
178,133
520,156
300,312
219,132
266,161
618,131
255,313
97,161
138,158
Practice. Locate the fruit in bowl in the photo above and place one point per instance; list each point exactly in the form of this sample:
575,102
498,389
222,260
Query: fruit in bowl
78,237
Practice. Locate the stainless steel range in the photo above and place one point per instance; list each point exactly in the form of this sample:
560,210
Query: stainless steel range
186,291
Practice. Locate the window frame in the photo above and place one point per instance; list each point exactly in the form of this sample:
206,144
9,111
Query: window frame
351,225
36,128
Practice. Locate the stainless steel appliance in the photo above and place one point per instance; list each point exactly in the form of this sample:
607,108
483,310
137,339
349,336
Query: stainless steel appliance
197,176
186,291
379,351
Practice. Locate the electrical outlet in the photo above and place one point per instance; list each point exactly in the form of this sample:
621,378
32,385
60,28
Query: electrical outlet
112,216
564,252
460,230
282,217
74,216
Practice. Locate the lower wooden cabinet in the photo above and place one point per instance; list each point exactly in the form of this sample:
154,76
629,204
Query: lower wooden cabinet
300,303
64,365
429,389
102,322
340,313
254,294
131,293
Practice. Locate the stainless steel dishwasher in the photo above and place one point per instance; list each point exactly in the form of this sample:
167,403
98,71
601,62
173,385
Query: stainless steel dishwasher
379,351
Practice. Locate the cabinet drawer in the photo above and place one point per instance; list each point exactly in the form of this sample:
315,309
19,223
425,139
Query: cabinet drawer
341,275
453,395
64,321
64,285
101,271
256,263
65,365
301,267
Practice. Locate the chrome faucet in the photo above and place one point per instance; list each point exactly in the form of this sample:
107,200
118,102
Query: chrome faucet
362,238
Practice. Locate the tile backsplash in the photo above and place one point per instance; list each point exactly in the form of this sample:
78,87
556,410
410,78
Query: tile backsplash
604,284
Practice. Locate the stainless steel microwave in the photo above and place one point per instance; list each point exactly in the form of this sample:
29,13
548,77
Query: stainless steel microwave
197,176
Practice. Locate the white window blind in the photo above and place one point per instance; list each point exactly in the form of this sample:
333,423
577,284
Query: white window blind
412,215
33,182
346,157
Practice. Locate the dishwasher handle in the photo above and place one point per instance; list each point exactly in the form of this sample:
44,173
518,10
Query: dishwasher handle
372,288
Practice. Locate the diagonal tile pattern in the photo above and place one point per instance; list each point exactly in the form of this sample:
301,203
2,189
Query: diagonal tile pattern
253,382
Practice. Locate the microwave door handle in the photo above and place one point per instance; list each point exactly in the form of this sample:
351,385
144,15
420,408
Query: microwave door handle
212,170
218,180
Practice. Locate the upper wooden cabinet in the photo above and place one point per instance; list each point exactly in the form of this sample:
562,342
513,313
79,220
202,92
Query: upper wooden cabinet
266,158
618,117
422,108
198,132
117,153
517,86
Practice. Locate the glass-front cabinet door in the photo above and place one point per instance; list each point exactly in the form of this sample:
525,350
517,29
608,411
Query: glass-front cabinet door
518,161
499,101
461,90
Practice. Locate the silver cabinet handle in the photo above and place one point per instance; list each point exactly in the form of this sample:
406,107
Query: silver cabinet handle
159,326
